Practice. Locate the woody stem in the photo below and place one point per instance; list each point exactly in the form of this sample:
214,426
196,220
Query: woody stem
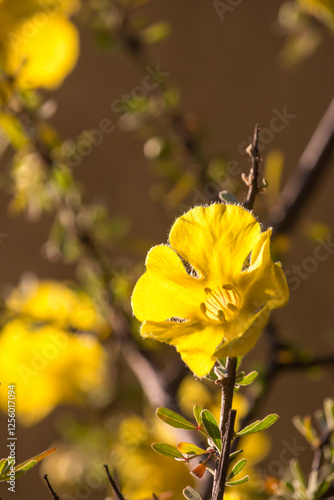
227,418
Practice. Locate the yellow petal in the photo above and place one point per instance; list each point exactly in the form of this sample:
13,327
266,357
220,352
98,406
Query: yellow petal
242,334
264,283
166,290
195,341
215,240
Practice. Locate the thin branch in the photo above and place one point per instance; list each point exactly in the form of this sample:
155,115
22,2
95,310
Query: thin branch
252,181
226,404
310,168
53,493
219,486
113,484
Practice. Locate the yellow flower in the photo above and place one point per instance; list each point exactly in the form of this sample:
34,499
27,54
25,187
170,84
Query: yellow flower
58,304
48,367
210,292
39,46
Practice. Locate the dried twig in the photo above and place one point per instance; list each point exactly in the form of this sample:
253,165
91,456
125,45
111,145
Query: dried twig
252,181
113,484
53,493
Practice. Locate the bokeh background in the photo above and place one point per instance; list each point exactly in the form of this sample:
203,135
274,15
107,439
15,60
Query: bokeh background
230,76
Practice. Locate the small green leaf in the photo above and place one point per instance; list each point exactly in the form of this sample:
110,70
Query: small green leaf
4,467
235,453
197,414
322,488
237,468
28,464
167,450
156,32
238,481
304,426
191,494
211,427
174,419
329,412
190,449
259,425
243,379
298,473
229,198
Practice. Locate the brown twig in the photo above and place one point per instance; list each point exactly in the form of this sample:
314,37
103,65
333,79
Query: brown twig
252,181
113,484
221,472
53,493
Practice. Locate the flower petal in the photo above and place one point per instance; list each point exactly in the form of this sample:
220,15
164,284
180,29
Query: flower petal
215,240
264,283
194,340
243,334
166,290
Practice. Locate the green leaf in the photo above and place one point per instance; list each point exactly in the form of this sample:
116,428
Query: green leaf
235,453
329,412
27,465
167,450
238,481
237,468
156,32
174,419
191,494
229,198
304,426
211,427
243,379
197,414
190,449
298,473
259,425
4,467
322,488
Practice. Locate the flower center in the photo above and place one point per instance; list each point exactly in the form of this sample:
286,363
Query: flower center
221,304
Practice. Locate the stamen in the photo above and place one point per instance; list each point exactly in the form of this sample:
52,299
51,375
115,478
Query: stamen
232,307
221,315
221,303
228,287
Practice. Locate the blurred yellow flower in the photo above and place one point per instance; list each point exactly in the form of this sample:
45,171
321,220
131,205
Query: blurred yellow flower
58,304
210,292
125,443
48,367
143,471
39,46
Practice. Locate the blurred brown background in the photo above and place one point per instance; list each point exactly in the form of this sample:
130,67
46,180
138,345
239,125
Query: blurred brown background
229,75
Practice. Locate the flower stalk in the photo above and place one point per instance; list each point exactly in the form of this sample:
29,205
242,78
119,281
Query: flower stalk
227,415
